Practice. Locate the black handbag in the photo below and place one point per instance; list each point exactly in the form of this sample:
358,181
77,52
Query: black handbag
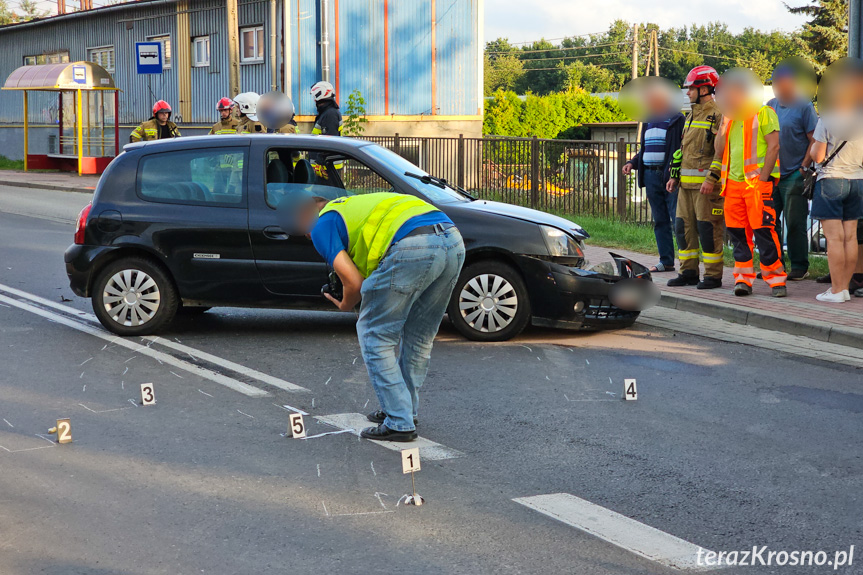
811,176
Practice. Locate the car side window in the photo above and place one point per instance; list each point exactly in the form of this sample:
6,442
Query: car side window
211,176
360,179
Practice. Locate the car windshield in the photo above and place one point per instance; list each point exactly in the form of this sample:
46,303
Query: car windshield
433,191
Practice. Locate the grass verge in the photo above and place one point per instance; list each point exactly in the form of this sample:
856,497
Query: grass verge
7,164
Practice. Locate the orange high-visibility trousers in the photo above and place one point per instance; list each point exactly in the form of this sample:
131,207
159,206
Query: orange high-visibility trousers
750,205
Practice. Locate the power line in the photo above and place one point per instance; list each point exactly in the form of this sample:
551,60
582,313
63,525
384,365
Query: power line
561,38
573,57
518,52
698,54
563,68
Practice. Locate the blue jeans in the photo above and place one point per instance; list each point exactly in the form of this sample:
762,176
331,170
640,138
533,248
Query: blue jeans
663,207
404,300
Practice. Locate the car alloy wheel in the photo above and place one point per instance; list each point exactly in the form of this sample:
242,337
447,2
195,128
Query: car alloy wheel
131,297
488,303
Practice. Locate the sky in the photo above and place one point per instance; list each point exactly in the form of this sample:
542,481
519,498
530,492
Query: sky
521,21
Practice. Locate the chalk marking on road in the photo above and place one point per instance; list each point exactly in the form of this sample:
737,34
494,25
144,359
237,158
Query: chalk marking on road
178,375
229,382
355,422
319,469
361,513
7,422
327,382
328,433
246,414
619,530
373,469
130,359
102,410
85,387
125,371
205,393
85,361
51,441
325,509
133,402
81,376
289,408
178,346
381,501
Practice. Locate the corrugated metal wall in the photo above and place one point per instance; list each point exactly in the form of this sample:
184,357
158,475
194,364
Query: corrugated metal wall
361,62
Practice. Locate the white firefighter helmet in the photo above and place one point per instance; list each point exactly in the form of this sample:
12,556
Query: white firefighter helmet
247,103
323,90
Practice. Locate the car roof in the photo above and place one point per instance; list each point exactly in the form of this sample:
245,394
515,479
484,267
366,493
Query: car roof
293,140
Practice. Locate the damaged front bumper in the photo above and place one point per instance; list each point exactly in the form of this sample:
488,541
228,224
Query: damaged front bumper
610,295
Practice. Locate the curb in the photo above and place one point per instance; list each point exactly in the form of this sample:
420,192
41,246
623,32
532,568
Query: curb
817,330
53,187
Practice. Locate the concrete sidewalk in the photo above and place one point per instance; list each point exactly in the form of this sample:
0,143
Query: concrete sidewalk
797,314
60,181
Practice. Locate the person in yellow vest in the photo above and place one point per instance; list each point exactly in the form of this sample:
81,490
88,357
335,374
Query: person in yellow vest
695,170
749,146
398,257
159,127
227,123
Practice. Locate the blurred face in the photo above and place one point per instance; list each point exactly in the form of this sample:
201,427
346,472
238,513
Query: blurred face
650,99
162,117
740,94
840,99
784,88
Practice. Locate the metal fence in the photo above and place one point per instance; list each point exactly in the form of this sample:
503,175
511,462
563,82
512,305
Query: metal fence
574,177
564,176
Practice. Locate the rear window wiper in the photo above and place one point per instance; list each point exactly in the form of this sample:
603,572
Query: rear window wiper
439,182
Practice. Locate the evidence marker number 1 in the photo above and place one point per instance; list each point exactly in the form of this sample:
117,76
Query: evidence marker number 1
148,394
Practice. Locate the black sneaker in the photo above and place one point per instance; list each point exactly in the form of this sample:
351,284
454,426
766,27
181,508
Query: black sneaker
379,416
741,289
384,433
780,291
709,283
858,293
855,284
798,275
823,279
683,280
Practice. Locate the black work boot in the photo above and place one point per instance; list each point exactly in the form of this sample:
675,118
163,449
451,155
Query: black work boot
683,279
709,283
741,289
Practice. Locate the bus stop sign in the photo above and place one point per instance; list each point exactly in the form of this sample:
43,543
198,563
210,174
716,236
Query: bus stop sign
148,57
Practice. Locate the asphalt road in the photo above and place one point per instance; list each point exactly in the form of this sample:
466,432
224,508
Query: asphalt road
727,446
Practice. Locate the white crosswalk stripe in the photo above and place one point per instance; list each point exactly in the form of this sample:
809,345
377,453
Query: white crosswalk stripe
356,422
619,530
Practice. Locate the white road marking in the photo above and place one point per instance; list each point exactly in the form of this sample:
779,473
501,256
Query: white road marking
356,422
215,360
7,423
228,382
289,408
619,530
103,410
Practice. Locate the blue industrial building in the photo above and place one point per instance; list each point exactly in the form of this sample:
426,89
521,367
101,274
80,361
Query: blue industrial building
417,63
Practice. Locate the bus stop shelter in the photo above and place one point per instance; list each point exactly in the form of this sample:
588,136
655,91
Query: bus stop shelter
82,143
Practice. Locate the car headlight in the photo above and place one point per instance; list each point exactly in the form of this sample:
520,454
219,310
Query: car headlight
560,243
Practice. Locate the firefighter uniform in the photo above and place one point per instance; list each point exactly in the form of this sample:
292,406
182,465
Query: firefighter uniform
246,125
226,126
700,218
151,130
749,201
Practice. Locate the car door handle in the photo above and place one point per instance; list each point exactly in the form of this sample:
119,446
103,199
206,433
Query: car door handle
275,233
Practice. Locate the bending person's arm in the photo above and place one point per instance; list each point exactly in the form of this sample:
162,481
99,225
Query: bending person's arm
352,282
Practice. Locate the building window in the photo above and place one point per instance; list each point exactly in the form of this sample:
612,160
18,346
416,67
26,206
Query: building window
252,49
49,58
103,55
166,48
201,51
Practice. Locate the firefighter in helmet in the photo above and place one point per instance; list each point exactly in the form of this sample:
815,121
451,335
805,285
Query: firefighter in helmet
159,127
227,123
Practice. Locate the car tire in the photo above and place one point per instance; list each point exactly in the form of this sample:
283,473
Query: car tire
489,302
134,296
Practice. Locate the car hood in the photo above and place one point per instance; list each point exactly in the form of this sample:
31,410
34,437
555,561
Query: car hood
528,215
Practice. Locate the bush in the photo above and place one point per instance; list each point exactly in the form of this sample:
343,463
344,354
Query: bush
559,115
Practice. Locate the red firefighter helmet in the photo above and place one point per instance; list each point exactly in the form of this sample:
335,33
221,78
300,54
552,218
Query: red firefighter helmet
161,106
224,104
701,76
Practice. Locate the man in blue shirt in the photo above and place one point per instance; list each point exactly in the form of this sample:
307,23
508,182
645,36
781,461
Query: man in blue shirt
797,120
660,139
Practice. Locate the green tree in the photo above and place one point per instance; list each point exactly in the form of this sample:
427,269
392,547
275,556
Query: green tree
6,15
30,10
826,33
355,121
502,73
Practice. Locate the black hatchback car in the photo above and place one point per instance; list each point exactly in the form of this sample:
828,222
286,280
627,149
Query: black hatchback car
188,224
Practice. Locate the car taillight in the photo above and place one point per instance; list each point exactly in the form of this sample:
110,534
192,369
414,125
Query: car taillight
81,226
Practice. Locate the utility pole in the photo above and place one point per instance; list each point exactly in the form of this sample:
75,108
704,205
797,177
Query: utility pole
61,7
855,23
649,53
656,53
634,51
233,48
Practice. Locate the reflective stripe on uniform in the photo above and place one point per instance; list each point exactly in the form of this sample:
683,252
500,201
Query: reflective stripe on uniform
710,258
687,254
693,176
